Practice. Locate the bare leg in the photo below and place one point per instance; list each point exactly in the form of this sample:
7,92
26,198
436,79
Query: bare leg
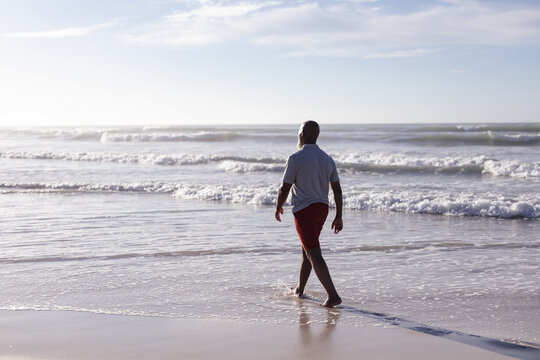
321,270
305,270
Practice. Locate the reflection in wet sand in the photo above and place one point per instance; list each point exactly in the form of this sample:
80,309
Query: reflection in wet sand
315,337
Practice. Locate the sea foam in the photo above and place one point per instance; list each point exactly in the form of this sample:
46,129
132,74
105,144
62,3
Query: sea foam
512,168
445,203
204,136
370,162
398,162
425,201
131,158
485,138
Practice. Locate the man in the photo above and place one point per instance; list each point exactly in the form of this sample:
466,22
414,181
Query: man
309,172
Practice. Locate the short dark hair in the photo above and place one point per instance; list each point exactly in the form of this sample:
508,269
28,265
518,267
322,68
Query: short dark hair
311,131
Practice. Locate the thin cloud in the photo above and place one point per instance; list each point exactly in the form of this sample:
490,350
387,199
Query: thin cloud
403,53
62,33
216,12
347,28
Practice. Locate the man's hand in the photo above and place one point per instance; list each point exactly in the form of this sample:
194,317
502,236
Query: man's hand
337,225
278,213
283,192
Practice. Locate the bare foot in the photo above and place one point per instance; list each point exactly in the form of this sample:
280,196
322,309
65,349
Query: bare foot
296,291
331,302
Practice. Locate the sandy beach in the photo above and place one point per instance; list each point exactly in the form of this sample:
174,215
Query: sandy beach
79,335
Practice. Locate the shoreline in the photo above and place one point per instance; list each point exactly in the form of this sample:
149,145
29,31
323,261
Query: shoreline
30,334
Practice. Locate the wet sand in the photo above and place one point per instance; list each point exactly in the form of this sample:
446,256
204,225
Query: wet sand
82,335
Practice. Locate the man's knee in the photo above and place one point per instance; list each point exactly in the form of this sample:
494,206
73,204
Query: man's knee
314,255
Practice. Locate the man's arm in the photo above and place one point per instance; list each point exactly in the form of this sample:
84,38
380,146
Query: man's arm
337,224
283,193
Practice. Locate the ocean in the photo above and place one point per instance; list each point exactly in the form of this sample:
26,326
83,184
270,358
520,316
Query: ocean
441,224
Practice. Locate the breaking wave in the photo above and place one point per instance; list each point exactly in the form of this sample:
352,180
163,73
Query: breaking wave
248,166
128,134
126,158
512,168
532,127
435,135
487,138
402,163
445,203
408,201
398,163
204,136
373,162
48,187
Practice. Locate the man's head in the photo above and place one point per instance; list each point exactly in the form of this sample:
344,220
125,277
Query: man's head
308,133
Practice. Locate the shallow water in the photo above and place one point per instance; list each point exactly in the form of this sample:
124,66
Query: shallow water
155,255
105,221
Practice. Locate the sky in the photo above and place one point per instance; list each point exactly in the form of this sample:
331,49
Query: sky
140,62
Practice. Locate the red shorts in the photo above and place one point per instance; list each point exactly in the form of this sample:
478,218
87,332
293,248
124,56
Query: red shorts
309,223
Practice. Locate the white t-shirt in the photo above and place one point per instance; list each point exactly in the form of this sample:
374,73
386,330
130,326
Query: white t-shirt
310,170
